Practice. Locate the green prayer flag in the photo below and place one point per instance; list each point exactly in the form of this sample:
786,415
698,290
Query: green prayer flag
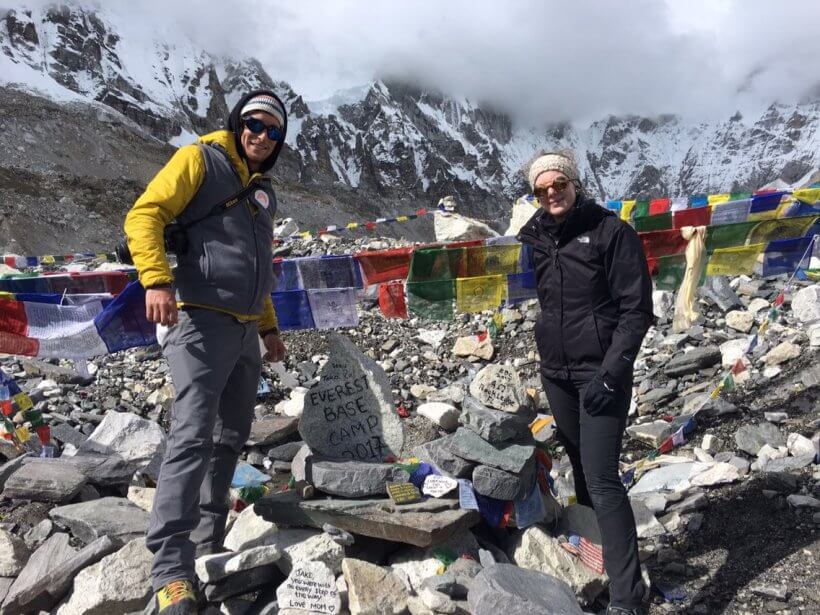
658,222
433,300
729,382
641,209
728,235
431,264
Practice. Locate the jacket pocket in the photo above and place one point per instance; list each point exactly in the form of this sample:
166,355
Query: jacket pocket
548,341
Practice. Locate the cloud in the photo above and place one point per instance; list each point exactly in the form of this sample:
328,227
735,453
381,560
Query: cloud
541,60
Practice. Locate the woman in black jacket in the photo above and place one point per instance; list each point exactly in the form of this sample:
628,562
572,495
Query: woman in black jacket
596,306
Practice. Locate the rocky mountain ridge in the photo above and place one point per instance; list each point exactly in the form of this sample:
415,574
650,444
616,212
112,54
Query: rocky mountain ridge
384,148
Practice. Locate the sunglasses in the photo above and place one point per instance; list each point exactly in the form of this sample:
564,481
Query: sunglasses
558,185
256,126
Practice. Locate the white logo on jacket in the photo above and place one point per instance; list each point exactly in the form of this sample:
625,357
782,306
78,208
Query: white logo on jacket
262,198
583,239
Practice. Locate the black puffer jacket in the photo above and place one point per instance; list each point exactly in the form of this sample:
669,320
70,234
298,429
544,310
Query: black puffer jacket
595,293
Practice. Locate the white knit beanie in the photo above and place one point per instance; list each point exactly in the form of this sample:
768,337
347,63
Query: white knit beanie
553,162
265,103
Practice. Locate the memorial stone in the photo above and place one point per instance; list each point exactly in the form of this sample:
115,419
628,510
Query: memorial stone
499,387
349,413
403,493
310,588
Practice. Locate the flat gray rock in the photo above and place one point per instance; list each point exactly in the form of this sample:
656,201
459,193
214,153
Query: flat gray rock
665,478
285,452
508,589
440,454
213,568
423,524
717,289
751,438
510,457
494,426
10,467
653,433
56,584
272,430
693,361
788,463
137,440
13,554
118,518
244,582
45,480
501,485
51,554
68,435
354,479
349,413
109,471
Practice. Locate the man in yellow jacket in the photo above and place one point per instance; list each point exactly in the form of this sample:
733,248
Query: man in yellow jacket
215,304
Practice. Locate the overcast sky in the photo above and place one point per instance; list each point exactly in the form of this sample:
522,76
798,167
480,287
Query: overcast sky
540,59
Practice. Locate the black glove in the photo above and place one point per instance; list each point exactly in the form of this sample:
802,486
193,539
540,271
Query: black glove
599,395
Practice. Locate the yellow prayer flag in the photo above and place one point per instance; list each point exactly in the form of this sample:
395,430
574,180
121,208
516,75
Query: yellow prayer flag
498,321
502,259
784,228
762,328
102,256
402,219
734,261
23,434
478,294
23,402
807,195
714,199
353,225
626,209
47,260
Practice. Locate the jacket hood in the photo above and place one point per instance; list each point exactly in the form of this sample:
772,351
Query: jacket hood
235,127
223,140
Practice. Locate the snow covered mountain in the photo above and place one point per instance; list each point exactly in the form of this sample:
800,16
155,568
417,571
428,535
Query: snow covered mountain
394,140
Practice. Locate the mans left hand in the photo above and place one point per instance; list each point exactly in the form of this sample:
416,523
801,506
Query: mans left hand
275,348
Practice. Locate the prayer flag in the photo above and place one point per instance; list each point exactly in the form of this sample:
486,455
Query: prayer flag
698,216
385,265
329,272
728,235
698,200
626,210
520,287
333,308
783,255
807,195
657,222
663,243
734,261
658,206
784,228
679,203
293,310
716,199
731,212
479,294
286,275
391,299
433,300
641,209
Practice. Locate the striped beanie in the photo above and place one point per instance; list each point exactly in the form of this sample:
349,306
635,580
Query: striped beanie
553,162
265,103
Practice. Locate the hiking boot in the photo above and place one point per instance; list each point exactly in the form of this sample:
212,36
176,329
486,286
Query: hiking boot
177,598
619,610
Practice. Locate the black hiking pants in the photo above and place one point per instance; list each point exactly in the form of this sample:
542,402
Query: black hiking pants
593,444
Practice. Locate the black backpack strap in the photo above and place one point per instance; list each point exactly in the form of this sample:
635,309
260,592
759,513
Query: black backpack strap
231,201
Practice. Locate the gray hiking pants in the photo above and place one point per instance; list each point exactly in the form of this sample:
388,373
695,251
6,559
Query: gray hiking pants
215,364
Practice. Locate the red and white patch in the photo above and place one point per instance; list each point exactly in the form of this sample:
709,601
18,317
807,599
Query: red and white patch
262,198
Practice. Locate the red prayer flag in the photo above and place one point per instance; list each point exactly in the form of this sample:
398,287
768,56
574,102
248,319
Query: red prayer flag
697,216
391,299
421,212
667,446
385,265
739,367
662,243
780,299
370,226
658,206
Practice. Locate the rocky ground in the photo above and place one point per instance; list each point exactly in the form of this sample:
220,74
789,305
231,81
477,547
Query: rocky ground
727,521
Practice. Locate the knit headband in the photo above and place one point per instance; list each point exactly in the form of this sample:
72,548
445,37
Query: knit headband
265,103
553,162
